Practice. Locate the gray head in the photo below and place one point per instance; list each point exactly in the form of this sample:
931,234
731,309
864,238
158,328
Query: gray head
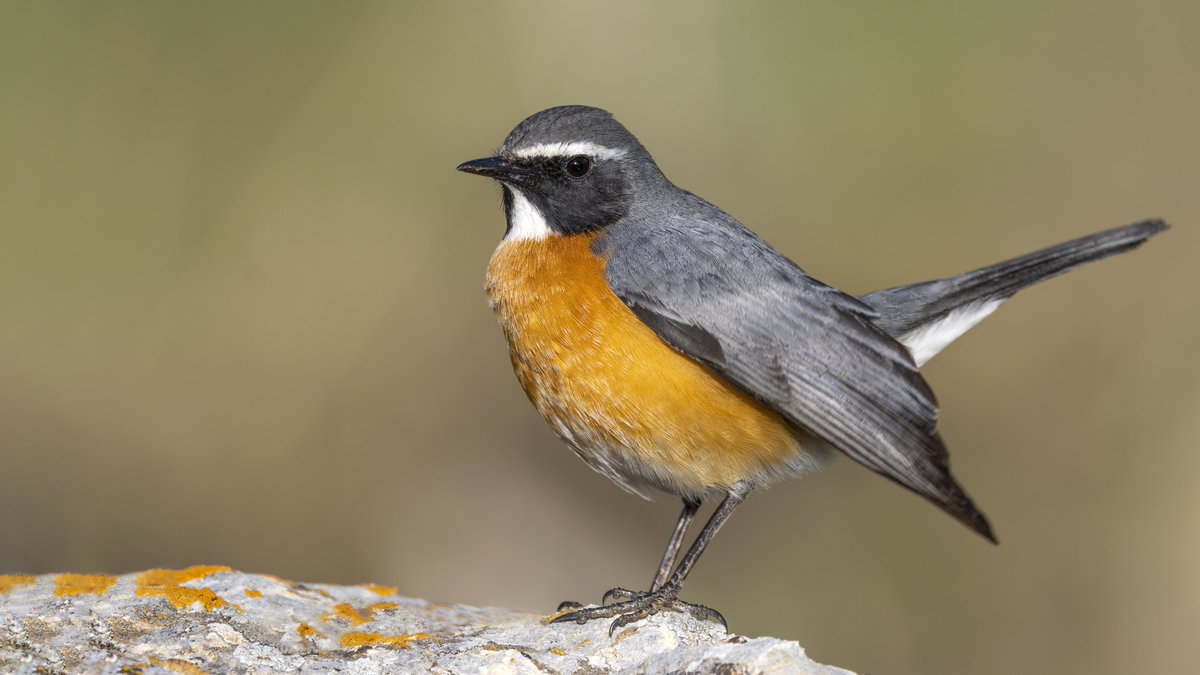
567,170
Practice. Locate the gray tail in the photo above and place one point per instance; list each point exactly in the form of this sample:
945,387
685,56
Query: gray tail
939,311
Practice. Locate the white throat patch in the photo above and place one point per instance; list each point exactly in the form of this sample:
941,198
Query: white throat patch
525,221
570,150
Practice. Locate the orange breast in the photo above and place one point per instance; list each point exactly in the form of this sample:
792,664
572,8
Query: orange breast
631,406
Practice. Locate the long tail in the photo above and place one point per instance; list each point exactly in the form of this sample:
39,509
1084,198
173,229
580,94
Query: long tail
930,315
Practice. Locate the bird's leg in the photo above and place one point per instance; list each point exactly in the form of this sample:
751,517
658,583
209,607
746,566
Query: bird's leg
668,561
665,597
664,568
681,528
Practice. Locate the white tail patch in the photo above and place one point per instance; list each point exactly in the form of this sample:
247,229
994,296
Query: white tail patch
570,150
925,341
525,221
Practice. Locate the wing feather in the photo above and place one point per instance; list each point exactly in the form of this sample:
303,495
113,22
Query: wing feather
717,293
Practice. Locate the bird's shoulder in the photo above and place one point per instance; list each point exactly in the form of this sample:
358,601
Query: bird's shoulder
686,250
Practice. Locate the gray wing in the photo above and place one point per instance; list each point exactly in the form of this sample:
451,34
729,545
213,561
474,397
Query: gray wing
717,293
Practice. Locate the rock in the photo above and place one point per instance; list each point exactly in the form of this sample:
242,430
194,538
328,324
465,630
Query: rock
215,620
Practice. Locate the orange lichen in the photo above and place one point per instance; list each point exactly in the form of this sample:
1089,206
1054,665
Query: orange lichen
358,617
253,593
179,666
306,631
558,652
380,590
167,583
176,577
83,584
10,581
354,640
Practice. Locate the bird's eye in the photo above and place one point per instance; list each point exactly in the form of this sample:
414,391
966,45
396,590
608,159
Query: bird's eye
578,166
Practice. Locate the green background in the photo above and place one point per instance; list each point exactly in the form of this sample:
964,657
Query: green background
242,318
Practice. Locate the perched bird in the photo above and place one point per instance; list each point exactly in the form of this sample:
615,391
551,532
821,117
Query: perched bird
672,348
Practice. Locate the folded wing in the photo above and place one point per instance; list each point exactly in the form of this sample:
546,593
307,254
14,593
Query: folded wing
720,295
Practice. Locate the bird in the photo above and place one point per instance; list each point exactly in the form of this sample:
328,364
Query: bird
675,350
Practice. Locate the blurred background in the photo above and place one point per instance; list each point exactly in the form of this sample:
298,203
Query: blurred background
243,317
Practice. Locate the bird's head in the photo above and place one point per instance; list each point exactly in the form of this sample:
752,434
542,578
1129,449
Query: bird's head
567,170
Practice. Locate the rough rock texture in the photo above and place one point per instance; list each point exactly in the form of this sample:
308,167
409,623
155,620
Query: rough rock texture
215,620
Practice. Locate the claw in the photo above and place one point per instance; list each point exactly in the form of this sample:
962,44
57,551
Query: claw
567,618
620,594
702,613
634,606
626,619
568,604
570,617
588,613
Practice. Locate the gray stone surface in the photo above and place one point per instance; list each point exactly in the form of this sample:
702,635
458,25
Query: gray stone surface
215,620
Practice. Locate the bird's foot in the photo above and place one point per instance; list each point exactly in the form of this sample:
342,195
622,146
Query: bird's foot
631,606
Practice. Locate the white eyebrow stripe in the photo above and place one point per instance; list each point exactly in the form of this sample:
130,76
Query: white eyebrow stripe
570,150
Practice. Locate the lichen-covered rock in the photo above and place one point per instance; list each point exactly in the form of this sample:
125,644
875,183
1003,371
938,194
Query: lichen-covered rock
215,620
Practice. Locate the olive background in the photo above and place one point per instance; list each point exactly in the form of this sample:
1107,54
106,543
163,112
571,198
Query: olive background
242,318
